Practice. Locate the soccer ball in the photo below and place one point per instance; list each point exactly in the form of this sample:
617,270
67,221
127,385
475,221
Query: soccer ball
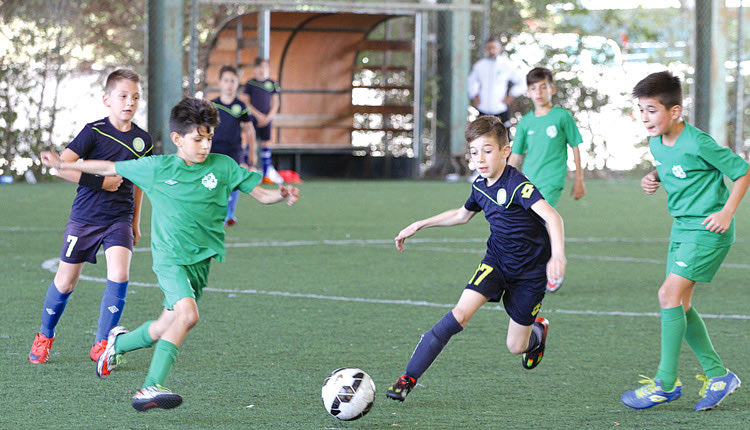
348,393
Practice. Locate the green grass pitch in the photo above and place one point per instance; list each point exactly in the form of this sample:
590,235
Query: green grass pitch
308,289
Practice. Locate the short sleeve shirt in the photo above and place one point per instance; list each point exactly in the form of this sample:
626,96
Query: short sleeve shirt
260,93
692,173
188,203
227,138
518,236
100,140
544,141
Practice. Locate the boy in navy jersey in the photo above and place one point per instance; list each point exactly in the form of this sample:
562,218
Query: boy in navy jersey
521,254
261,95
105,212
234,122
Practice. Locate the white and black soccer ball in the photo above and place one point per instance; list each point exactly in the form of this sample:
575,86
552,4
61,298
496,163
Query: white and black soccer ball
348,393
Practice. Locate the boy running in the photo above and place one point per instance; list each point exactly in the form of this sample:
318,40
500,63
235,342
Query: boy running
691,166
188,193
521,254
105,213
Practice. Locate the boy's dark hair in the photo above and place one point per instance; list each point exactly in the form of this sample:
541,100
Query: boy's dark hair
538,74
259,60
487,125
120,75
192,114
230,69
663,86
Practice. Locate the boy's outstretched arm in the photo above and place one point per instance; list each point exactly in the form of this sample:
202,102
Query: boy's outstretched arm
719,222
268,196
110,183
446,219
557,262
97,167
578,190
650,182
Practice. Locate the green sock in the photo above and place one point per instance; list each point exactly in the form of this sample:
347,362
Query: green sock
672,332
697,337
135,339
165,354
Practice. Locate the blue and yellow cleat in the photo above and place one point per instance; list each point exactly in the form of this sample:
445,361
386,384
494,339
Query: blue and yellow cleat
650,394
716,389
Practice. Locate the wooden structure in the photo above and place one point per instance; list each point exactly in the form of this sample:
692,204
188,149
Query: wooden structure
313,56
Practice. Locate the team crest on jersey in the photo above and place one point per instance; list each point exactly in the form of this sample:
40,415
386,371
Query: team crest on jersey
209,181
236,109
678,171
138,144
268,86
502,196
552,131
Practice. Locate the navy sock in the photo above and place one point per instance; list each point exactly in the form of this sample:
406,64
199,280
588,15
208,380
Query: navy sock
110,311
431,344
535,338
234,197
54,305
265,157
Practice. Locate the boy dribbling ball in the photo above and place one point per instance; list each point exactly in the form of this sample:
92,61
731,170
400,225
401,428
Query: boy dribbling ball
525,248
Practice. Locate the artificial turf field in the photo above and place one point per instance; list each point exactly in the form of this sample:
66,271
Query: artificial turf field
307,289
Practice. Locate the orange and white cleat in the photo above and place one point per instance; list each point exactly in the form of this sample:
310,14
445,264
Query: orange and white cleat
40,349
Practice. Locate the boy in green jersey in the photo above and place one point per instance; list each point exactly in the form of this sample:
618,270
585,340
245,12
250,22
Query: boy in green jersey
541,140
188,193
691,167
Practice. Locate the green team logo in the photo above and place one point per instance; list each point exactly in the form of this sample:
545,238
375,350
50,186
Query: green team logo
236,110
502,196
138,144
268,86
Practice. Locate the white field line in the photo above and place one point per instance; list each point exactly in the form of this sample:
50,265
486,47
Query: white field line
51,265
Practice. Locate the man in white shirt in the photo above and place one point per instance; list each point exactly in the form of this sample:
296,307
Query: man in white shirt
488,82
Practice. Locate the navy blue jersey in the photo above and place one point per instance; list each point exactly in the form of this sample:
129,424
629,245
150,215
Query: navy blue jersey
100,140
261,93
518,236
228,135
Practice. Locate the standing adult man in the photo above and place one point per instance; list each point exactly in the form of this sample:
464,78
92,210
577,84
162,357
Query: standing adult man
488,82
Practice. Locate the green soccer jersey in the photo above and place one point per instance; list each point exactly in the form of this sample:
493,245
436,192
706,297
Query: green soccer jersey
692,173
543,140
188,203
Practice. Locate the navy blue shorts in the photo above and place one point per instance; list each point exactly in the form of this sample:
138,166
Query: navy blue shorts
522,299
81,241
262,133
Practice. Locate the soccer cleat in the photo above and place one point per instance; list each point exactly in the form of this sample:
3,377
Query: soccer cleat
97,349
230,222
40,349
401,388
553,285
716,389
532,359
107,361
155,396
650,394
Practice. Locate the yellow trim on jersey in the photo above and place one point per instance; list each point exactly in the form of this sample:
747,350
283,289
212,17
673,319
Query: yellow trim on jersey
523,192
486,195
229,111
123,144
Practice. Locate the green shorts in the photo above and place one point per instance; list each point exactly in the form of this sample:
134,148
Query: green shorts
178,282
694,261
